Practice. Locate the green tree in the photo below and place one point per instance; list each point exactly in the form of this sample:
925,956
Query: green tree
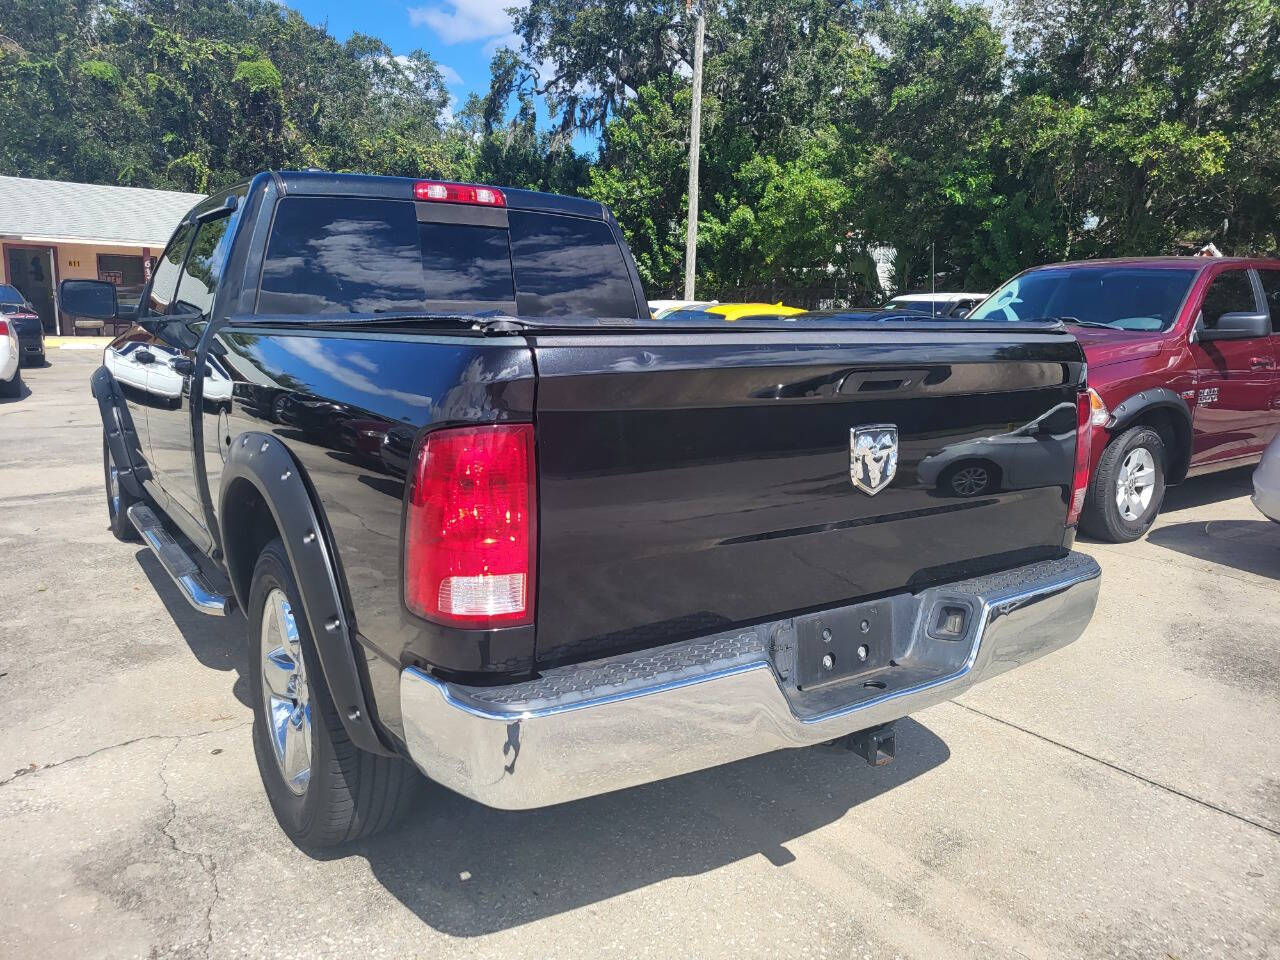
1156,122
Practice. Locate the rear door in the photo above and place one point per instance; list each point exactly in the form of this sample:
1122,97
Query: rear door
1235,379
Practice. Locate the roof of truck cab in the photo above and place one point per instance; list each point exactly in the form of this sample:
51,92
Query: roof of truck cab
322,183
1161,262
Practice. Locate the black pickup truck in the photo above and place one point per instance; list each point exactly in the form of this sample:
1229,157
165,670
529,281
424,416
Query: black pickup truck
487,519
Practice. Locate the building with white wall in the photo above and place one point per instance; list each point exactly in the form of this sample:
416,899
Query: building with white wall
51,231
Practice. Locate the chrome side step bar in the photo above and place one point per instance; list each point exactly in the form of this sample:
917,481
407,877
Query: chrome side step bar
191,581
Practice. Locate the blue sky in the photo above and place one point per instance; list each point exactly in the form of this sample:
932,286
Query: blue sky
460,35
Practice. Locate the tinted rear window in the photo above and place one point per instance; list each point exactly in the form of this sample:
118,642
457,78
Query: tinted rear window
466,267
337,255
567,266
342,256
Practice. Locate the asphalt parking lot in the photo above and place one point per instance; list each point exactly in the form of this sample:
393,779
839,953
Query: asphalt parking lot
1120,798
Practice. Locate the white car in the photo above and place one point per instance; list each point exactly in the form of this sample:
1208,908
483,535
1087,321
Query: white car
660,308
1266,483
950,305
10,372
157,377
146,375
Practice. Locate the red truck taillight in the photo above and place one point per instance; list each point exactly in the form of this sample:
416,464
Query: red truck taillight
1080,476
470,536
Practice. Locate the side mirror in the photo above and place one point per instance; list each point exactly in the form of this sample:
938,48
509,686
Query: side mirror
1241,325
227,207
95,299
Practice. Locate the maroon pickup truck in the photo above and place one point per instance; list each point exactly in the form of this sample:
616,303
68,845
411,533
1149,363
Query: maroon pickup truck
1182,356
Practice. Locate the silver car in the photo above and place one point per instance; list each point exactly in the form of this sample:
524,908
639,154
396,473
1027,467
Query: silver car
1266,482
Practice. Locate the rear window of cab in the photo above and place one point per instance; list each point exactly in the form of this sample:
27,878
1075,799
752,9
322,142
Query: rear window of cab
334,255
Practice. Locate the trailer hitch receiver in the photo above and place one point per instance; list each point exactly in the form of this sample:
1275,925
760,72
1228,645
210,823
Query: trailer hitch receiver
875,745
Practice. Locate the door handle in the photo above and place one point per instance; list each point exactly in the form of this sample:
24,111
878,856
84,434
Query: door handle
184,366
1262,363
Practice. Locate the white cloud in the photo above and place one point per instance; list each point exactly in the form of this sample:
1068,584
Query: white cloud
451,76
510,40
318,354
463,21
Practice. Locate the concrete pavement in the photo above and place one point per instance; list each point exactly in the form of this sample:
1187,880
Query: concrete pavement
1118,799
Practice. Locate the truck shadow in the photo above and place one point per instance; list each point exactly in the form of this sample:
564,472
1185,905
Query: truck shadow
521,866
467,870
1199,492
1249,545
1215,487
216,642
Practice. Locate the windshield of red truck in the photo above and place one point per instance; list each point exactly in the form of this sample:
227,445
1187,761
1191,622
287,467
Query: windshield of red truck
1127,298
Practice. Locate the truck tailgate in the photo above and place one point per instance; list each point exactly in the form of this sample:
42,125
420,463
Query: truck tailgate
689,482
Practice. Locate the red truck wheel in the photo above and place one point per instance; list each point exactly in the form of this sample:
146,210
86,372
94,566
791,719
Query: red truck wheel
1127,489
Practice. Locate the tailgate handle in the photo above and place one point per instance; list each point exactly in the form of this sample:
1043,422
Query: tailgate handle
870,386
883,381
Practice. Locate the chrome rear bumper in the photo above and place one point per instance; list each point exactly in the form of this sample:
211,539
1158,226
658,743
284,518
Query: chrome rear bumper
593,728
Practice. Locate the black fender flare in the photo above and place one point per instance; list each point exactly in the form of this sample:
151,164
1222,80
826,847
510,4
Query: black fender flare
1157,398
266,463
122,438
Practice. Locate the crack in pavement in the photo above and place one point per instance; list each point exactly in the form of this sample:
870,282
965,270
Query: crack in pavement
177,737
208,864
1207,804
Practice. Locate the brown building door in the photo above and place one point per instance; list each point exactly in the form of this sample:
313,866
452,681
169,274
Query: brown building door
30,269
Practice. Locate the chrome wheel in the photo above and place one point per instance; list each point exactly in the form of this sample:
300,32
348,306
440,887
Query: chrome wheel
113,484
1135,483
285,691
970,481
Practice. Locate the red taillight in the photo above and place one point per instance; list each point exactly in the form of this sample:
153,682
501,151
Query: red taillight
1080,476
471,530
4,328
459,193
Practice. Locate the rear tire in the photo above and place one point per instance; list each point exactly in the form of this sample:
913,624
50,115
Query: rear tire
119,500
1127,490
344,793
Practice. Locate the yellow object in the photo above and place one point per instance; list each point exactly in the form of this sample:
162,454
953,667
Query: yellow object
736,311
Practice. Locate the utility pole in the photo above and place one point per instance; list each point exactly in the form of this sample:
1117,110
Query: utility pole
933,278
695,144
